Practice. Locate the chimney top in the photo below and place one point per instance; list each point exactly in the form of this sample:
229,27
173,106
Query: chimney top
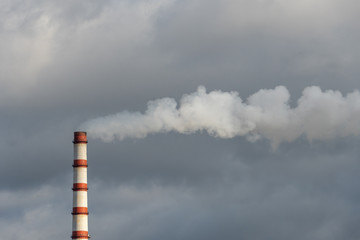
80,137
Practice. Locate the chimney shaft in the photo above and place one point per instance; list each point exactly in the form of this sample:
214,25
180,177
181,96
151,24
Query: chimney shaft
80,203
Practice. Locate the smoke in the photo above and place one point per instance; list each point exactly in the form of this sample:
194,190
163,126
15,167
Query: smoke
319,115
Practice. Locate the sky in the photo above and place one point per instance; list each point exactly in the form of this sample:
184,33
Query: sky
65,63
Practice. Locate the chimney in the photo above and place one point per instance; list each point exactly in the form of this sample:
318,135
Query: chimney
80,203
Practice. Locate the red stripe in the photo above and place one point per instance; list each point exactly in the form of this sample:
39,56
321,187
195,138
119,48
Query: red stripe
80,137
80,235
80,210
80,163
80,187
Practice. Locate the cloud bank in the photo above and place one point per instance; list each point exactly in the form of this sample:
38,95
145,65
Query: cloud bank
319,115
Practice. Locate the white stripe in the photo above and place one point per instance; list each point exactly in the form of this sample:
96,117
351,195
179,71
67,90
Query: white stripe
80,151
80,199
80,175
80,223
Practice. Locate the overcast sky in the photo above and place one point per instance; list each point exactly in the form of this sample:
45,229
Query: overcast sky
65,62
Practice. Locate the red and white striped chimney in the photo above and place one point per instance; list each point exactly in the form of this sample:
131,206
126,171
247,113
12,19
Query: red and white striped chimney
80,203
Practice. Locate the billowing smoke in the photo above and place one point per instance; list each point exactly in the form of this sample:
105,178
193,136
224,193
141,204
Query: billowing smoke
319,115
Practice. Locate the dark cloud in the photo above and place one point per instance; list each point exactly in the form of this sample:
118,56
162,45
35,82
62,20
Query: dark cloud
63,63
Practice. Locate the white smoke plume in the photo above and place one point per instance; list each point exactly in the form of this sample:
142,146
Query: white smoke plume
319,115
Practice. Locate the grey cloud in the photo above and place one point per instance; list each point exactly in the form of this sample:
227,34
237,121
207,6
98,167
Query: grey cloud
63,62
268,198
35,213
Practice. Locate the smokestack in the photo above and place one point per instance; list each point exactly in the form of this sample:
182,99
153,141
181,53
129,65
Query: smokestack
80,203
